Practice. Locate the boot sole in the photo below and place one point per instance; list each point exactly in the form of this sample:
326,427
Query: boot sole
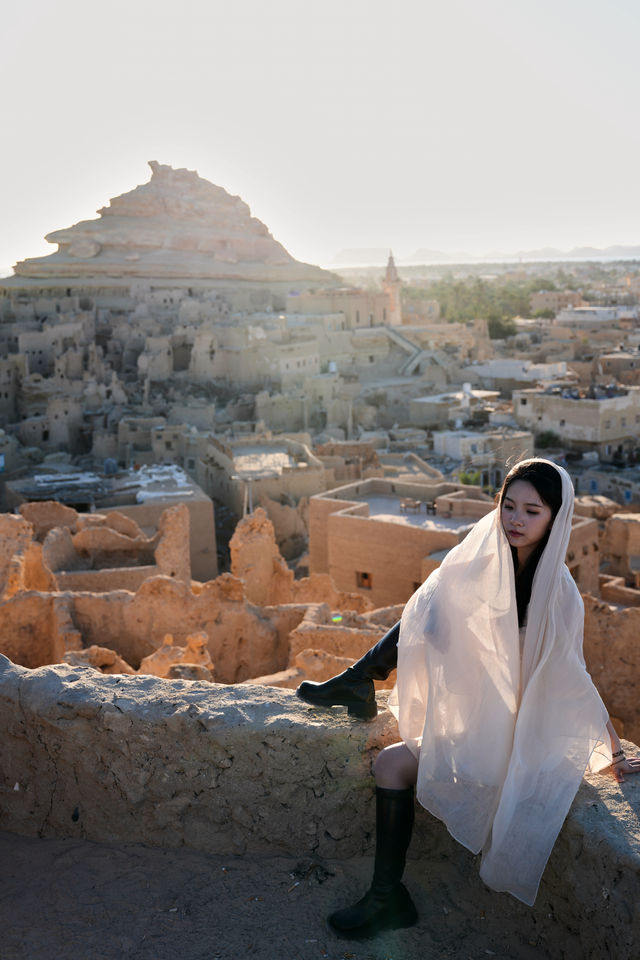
362,711
408,918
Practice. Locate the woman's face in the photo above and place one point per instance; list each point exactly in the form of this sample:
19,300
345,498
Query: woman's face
525,518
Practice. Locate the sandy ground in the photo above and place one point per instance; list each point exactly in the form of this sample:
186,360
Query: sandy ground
75,900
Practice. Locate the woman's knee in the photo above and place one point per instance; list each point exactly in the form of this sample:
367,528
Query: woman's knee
396,767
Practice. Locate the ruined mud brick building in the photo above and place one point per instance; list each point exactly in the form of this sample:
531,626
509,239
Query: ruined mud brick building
73,581
142,495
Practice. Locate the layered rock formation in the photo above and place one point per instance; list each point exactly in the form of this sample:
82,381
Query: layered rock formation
176,226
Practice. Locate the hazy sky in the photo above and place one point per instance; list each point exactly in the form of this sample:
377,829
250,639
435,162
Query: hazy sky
452,125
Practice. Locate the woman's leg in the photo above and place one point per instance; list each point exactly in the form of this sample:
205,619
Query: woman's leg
387,904
354,688
396,768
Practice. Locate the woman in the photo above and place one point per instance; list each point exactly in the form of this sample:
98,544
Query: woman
498,716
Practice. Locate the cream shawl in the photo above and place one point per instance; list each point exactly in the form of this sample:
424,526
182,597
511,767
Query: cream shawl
502,740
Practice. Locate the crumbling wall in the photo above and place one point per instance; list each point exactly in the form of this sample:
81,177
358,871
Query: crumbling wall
256,560
241,640
21,562
172,552
612,655
44,515
290,523
109,551
98,658
248,770
323,642
341,637
38,628
621,544
615,590
105,580
171,661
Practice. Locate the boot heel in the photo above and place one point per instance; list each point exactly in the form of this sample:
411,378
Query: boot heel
363,711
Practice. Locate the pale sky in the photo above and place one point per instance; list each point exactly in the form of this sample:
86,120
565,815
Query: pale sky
454,125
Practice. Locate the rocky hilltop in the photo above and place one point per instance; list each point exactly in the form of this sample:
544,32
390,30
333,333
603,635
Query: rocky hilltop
177,225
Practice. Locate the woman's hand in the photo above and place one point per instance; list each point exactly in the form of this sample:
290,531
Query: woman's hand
621,767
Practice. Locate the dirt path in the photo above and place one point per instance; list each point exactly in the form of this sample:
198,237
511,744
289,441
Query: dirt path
75,900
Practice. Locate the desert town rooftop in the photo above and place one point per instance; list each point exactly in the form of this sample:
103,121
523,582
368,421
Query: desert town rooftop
158,482
411,513
252,461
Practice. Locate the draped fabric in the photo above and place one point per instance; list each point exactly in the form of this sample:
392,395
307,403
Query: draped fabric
502,738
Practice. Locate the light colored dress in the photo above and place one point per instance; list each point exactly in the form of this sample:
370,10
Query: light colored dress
503,721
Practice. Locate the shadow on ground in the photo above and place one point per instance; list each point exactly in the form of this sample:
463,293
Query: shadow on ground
76,900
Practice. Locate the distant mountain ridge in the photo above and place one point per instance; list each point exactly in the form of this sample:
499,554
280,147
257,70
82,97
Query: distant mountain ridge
377,256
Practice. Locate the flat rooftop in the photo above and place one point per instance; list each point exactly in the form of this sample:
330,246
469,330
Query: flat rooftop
161,482
156,482
452,395
387,508
252,461
405,466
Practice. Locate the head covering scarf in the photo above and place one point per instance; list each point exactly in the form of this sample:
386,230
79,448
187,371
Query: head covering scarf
502,738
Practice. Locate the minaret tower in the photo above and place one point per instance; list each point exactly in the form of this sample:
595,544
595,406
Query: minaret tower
391,286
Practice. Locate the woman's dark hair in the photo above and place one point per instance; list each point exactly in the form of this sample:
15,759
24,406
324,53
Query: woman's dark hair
546,480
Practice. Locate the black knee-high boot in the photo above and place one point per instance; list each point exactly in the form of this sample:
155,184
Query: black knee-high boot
354,688
387,904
